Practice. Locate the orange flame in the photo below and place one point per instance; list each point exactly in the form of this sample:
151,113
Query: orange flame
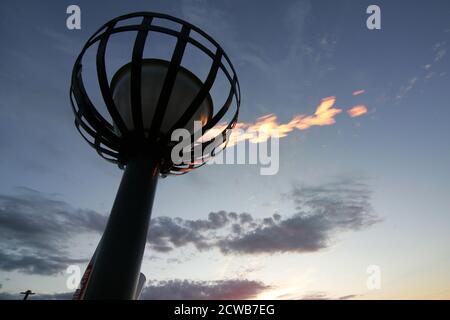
267,126
357,111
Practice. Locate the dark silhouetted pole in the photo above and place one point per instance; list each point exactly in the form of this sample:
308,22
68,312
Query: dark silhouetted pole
26,294
117,263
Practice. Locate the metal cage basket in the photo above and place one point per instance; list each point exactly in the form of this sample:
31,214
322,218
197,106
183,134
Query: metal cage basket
113,140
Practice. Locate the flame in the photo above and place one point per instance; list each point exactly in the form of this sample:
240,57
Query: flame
324,115
357,111
204,119
358,92
267,126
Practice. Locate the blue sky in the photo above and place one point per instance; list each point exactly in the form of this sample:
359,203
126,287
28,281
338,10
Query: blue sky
288,56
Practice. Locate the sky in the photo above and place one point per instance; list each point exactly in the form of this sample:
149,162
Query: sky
360,194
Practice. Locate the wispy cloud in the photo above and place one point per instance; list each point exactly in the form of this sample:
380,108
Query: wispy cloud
406,88
203,290
439,50
319,295
322,212
231,289
35,230
300,54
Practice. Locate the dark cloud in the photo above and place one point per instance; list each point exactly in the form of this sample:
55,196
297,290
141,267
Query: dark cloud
348,297
167,233
322,212
35,230
295,234
202,290
9,296
55,296
238,289
216,220
39,262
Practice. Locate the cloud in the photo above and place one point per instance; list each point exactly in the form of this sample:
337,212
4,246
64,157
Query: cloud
237,289
316,296
439,52
348,297
166,233
35,230
36,296
407,88
299,53
203,290
231,289
324,296
36,263
9,296
323,212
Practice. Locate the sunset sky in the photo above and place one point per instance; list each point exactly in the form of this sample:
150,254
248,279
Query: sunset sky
370,188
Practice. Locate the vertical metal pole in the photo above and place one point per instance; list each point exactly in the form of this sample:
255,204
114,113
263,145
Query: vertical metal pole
117,264
27,293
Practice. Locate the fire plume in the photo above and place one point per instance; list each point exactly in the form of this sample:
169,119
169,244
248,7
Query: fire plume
357,111
268,126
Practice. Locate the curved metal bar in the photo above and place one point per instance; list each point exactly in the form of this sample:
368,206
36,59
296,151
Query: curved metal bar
117,147
211,123
136,72
99,149
201,95
169,82
219,115
104,85
140,27
87,109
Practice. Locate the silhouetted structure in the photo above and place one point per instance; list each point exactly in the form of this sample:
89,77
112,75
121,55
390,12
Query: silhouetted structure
146,101
26,294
